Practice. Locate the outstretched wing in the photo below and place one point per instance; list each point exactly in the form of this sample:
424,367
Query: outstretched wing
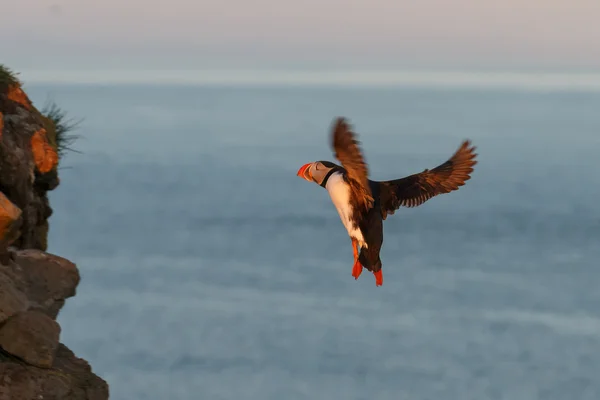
416,189
345,147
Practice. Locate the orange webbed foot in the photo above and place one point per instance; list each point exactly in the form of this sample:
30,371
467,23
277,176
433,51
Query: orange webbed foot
357,269
378,278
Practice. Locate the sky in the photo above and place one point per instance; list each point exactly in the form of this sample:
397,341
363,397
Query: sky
300,34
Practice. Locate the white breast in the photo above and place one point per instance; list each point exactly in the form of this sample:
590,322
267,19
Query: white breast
339,191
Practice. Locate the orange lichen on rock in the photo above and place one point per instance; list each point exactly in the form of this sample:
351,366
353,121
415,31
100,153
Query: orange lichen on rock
16,94
44,155
9,214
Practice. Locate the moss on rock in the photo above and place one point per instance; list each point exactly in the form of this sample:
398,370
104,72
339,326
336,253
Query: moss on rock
59,128
7,77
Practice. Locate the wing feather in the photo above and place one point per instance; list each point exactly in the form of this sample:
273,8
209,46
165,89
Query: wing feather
347,151
414,190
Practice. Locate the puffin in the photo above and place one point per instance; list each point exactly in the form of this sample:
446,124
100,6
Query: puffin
363,204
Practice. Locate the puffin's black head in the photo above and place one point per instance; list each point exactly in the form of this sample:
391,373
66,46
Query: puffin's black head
316,171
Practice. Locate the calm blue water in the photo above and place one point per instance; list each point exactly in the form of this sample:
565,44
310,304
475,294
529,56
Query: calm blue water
210,271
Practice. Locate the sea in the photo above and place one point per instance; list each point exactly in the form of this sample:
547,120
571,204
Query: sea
211,271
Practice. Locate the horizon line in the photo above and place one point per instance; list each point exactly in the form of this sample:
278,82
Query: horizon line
524,80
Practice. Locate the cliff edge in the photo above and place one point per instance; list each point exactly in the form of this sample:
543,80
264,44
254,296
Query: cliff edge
34,284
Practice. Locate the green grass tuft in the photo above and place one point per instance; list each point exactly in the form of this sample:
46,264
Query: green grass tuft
8,77
63,128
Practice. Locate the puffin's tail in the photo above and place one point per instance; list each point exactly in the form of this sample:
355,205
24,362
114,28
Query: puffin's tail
372,262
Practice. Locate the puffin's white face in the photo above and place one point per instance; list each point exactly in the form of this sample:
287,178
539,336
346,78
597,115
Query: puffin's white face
316,171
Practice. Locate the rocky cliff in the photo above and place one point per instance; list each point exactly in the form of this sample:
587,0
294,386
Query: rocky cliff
34,284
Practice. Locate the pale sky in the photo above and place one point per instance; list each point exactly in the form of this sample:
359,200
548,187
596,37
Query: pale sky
347,34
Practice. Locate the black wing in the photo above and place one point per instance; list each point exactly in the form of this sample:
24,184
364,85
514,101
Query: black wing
416,189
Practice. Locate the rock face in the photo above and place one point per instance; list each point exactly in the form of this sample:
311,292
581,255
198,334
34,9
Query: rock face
31,336
33,284
28,161
33,364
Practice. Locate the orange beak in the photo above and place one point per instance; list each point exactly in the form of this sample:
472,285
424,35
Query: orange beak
302,171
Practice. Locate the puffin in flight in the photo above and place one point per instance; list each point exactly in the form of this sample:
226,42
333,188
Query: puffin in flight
363,204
